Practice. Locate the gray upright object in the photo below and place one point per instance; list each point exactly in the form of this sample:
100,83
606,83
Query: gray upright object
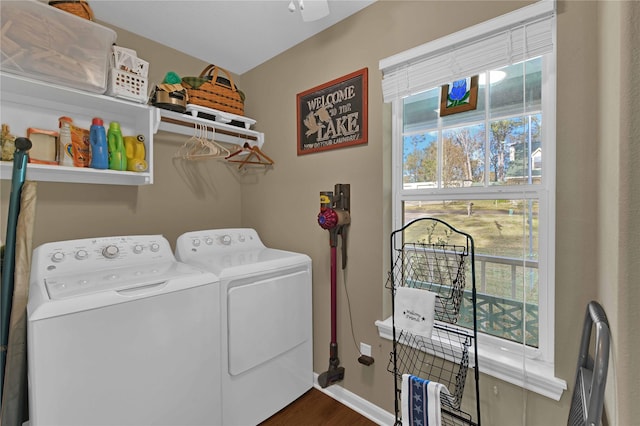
20,159
591,374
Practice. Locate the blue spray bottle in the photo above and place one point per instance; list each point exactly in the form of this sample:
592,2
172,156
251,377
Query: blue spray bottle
117,151
98,141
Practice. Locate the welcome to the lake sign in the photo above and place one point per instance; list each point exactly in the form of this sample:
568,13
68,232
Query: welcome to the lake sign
333,115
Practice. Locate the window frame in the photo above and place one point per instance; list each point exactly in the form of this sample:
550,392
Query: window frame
531,368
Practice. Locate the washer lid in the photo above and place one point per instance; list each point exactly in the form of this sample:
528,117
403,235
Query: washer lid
118,279
54,296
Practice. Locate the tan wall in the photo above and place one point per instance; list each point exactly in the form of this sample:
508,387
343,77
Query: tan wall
619,209
282,204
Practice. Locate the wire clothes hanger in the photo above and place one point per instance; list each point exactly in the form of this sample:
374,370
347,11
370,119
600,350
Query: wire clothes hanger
200,147
253,155
208,148
190,143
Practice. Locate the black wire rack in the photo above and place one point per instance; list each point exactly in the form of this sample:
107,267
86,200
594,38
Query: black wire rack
430,254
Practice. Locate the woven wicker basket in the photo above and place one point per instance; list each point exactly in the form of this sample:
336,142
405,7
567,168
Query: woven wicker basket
216,93
77,7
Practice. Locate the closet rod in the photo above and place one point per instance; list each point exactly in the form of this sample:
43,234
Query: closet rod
218,130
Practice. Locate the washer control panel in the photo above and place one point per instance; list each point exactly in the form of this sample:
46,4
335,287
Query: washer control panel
73,256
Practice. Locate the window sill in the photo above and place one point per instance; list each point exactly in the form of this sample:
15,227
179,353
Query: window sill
538,376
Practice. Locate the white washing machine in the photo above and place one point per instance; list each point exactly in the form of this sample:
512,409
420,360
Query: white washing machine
266,315
120,333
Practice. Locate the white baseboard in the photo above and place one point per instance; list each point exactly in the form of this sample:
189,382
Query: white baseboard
356,403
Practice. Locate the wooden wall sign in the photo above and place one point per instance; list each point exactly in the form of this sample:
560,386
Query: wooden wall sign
333,115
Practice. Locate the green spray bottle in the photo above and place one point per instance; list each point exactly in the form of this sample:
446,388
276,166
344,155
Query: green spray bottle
117,151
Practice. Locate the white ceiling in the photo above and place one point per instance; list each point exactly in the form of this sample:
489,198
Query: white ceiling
237,35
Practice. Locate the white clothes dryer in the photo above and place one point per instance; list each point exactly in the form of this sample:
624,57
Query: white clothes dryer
120,333
266,320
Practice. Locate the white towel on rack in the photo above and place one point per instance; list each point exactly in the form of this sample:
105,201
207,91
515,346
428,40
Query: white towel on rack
414,310
420,401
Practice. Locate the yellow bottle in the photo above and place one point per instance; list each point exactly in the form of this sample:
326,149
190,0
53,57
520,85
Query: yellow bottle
134,146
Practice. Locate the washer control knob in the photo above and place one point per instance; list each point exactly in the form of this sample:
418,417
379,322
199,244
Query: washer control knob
57,257
196,242
241,238
82,254
155,247
110,251
208,241
226,240
137,249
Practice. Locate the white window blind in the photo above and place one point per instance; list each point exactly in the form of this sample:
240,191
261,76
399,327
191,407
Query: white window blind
507,39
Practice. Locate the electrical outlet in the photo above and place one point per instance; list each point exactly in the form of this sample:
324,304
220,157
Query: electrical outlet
365,349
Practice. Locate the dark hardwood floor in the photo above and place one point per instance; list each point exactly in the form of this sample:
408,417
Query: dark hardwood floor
314,408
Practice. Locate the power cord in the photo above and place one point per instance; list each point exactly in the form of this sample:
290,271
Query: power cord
362,359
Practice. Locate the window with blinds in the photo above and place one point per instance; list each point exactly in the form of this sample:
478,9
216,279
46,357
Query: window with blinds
488,171
508,39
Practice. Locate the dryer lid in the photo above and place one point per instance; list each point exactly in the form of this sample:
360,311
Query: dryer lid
247,262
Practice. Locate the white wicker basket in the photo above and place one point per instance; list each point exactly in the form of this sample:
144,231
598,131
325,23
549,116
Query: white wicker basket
123,84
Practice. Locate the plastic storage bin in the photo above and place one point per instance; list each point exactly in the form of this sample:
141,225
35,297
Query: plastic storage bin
48,44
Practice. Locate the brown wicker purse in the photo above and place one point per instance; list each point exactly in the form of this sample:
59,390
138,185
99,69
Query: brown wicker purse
215,91
77,7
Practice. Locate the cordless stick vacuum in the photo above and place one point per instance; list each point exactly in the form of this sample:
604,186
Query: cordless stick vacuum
20,158
334,216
